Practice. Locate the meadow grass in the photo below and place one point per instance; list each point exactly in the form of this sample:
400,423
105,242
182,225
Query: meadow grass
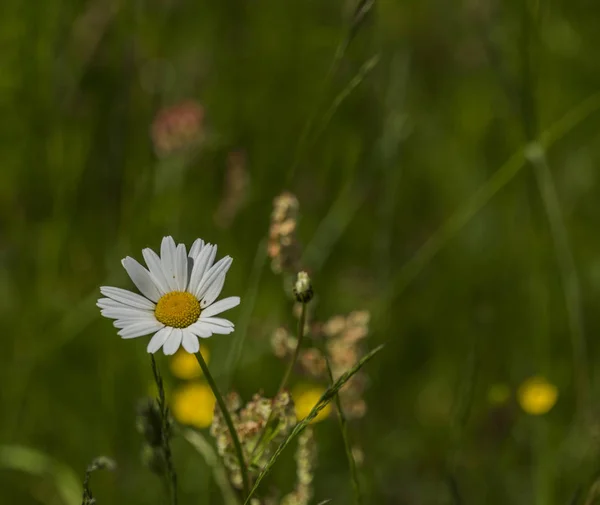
443,159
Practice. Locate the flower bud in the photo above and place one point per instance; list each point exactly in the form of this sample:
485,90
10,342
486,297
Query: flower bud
302,288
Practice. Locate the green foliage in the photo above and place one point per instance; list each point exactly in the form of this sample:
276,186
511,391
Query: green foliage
405,130
321,404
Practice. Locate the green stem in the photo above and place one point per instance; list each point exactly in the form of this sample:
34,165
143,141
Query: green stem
288,372
228,421
344,429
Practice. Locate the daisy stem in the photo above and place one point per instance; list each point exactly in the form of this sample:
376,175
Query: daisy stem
288,372
232,431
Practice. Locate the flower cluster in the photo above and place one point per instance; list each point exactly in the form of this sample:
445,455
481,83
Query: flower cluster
343,337
250,421
177,127
283,248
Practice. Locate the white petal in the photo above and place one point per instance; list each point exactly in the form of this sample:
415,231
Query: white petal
190,342
156,271
167,257
125,322
141,278
108,303
221,306
127,297
173,342
159,339
181,266
199,330
201,265
196,248
218,320
141,328
213,327
212,275
213,291
128,313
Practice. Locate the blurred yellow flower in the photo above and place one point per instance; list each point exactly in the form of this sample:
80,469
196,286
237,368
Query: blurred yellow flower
305,397
498,394
185,366
537,396
194,404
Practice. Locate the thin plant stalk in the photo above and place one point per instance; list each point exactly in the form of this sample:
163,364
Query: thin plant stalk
346,438
165,443
522,97
232,431
287,374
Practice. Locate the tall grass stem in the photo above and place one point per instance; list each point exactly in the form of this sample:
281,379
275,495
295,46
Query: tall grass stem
232,431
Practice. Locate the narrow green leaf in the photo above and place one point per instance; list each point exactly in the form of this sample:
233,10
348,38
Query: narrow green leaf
201,445
360,76
321,404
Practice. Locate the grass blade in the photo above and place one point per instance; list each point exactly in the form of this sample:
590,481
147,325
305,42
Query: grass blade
346,438
483,195
321,404
198,442
360,76
34,462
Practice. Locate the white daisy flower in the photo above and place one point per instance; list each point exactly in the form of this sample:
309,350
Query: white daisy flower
179,291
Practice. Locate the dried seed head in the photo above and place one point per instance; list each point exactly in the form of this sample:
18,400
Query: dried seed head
312,361
282,343
237,181
249,422
149,422
305,460
283,247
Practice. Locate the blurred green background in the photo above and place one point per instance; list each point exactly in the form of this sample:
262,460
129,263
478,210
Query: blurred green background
388,121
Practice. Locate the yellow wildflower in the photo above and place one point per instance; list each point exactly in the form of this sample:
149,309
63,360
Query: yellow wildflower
305,397
194,404
185,366
537,396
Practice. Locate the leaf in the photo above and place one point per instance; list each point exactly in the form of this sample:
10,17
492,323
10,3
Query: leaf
34,462
321,404
201,445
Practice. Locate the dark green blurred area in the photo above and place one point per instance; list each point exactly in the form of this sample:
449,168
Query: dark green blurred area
394,149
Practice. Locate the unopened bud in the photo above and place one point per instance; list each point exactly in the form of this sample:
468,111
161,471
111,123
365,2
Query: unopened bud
302,288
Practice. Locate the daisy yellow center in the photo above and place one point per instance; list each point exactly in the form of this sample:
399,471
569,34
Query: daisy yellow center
177,309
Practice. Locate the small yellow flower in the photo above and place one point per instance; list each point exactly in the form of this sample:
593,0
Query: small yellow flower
305,397
194,404
498,394
185,366
537,396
